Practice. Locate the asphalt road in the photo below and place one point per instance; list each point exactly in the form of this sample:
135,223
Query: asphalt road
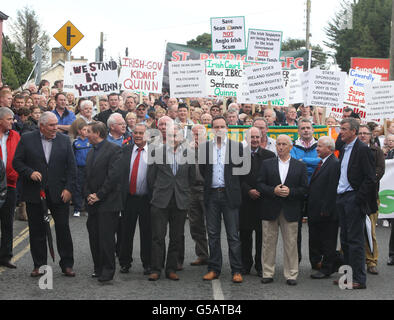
17,284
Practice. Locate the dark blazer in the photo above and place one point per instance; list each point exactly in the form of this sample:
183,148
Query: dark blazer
163,184
323,191
380,165
361,174
104,115
59,174
296,181
231,181
250,209
103,177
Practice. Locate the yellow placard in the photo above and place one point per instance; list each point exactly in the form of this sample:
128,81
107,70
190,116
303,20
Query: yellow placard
68,36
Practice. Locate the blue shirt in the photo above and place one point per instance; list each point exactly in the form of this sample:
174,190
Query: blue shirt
118,141
344,185
67,118
81,149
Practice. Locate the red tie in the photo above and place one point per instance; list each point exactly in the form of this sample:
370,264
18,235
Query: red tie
318,168
134,172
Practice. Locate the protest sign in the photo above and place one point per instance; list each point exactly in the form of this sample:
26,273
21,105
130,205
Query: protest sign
294,87
90,79
264,46
265,82
305,85
326,88
187,79
224,77
355,83
372,65
386,192
337,112
379,99
141,75
228,34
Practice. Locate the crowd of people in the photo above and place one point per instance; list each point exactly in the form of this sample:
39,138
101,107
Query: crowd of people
124,158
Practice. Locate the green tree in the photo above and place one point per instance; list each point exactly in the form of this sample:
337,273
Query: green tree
319,57
369,36
27,32
203,40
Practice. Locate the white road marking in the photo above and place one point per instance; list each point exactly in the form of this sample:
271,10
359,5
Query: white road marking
217,290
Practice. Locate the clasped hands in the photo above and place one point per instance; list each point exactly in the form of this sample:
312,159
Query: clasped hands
92,199
282,191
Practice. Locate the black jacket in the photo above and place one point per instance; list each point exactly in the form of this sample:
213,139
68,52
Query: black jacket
103,116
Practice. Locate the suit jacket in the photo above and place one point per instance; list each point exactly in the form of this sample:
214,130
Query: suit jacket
323,191
380,163
103,177
296,181
250,209
362,175
231,181
163,184
59,174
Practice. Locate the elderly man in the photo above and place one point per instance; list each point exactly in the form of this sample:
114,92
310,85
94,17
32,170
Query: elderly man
231,116
173,111
266,142
9,140
291,117
113,101
45,161
249,215
282,182
206,118
322,215
270,116
64,117
117,129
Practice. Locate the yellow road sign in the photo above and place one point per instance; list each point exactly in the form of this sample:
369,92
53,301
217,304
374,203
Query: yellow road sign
68,36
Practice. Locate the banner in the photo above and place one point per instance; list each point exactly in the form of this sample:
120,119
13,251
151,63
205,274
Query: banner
386,192
141,75
187,79
228,34
179,52
264,46
372,65
380,100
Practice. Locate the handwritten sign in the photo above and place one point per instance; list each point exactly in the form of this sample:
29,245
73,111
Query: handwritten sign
264,46
379,99
228,34
187,79
355,83
90,79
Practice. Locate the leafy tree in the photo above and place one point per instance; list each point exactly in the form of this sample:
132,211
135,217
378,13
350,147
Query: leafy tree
370,35
203,40
319,57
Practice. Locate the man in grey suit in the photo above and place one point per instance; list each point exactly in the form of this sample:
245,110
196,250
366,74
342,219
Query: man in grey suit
169,179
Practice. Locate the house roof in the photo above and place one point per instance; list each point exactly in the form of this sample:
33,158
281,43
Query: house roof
3,16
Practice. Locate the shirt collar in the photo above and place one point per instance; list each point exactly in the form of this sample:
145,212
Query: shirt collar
351,144
98,146
45,138
224,142
284,162
145,148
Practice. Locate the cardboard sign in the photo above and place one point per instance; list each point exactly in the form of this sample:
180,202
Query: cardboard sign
355,83
91,79
265,82
326,88
294,87
305,85
379,99
187,79
228,34
224,77
372,65
264,46
141,75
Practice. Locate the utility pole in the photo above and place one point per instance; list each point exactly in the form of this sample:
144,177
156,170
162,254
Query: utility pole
308,24
392,44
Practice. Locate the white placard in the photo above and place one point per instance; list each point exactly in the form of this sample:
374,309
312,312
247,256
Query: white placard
305,85
355,83
294,86
228,34
326,88
264,46
90,79
224,77
386,192
265,82
187,79
379,99
141,75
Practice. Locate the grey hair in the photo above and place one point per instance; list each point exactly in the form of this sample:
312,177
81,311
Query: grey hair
163,118
285,136
328,142
111,120
85,103
4,111
354,125
304,120
45,117
141,124
262,119
273,112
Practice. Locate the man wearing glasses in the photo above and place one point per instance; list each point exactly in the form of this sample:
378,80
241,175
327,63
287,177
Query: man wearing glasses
117,129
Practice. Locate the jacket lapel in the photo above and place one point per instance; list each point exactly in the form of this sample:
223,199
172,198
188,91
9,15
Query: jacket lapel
291,164
40,148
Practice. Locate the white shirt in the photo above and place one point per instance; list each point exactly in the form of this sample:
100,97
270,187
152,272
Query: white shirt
142,185
4,148
219,157
283,169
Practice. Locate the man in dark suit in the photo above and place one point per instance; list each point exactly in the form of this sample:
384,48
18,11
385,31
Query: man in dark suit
249,215
45,159
169,178
135,197
354,200
322,216
113,101
282,183
222,196
103,194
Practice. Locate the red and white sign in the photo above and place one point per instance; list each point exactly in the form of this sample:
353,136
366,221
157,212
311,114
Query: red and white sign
372,65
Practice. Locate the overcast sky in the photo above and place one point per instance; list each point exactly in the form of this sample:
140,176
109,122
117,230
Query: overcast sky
145,26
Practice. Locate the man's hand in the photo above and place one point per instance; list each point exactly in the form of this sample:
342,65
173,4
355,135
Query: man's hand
92,199
282,191
66,196
36,176
254,194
